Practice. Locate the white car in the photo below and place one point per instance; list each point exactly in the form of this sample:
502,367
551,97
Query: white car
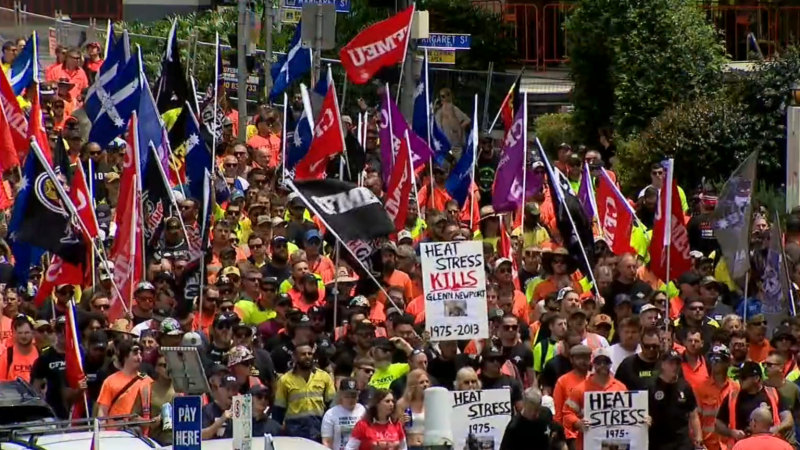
82,440
278,443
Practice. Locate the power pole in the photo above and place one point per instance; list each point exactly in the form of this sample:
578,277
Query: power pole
269,23
241,63
409,83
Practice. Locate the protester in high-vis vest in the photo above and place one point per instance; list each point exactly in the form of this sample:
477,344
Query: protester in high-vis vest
710,394
580,357
126,391
761,438
788,391
782,341
734,413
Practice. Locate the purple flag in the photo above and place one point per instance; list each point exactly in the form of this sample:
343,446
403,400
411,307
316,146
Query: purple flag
507,191
586,193
421,153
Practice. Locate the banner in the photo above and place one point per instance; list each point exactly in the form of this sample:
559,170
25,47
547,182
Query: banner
485,414
399,189
382,44
614,216
454,283
732,216
616,420
669,233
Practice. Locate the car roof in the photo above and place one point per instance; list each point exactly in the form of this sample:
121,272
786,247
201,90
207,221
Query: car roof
82,440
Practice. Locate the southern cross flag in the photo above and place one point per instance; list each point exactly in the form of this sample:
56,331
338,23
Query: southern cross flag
421,120
119,55
328,138
109,106
25,68
290,67
198,158
297,147
152,132
382,44
460,179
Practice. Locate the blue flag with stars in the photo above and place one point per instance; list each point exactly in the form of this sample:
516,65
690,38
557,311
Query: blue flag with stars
298,146
25,68
290,67
460,179
421,120
198,158
109,106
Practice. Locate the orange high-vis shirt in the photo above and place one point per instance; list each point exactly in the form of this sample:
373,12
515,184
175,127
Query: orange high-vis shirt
126,401
695,374
520,307
21,364
561,391
710,396
548,286
758,351
416,306
762,442
573,407
323,267
400,279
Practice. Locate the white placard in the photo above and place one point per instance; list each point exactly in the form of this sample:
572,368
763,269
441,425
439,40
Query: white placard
242,409
454,281
616,420
484,414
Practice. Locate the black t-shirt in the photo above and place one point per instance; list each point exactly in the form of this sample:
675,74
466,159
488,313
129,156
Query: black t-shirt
504,382
266,425
98,179
521,355
745,405
263,363
670,406
281,273
210,413
635,373
701,234
485,171
96,374
51,366
554,369
538,433
343,358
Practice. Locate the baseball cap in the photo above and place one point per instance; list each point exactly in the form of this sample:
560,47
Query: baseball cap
622,298
563,293
236,194
231,270
695,254
404,234
279,239
580,350
648,307
303,321
496,314
41,324
144,286
263,219
229,381
671,355
348,385
501,261
225,317
750,369
316,310
389,247
383,344
238,355
359,301
689,278
258,390
170,327
601,352
579,312
312,234
719,353
602,319
283,300
191,339
709,280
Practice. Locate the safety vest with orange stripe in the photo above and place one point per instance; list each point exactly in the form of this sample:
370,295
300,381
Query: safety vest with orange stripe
772,396
710,396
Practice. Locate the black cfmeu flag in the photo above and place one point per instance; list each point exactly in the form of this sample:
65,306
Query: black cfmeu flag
172,89
352,212
156,202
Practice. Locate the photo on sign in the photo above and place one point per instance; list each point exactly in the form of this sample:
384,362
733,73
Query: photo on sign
485,442
615,445
455,308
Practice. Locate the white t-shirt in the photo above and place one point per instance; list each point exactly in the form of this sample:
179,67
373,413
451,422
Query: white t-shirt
618,353
338,422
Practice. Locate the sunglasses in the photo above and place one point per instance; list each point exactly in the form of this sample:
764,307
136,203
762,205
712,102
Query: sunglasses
268,288
650,346
559,261
255,246
758,324
226,308
223,326
103,307
230,165
503,270
696,308
511,327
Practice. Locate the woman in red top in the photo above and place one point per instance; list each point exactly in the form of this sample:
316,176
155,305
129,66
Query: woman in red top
376,430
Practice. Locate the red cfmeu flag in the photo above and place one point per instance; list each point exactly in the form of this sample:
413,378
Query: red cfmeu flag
58,272
72,346
36,130
8,150
399,187
506,250
615,216
383,44
124,254
79,194
328,139
15,118
677,240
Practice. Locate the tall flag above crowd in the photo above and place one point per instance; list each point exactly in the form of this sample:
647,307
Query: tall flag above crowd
669,257
292,66
25,68
459,182
328,139
731,217
172,90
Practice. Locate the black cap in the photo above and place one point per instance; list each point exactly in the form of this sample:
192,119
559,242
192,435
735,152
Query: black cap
316,310
348,385
270,280
383,344
258,390
309,277
97,339
303,321
750,369
226,317
689,277
671,355
782,332
283,299
160,314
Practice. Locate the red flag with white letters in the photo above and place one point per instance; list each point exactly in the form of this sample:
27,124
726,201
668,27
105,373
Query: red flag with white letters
399,188
671,235
58,272
328,139
616,219
17,122
79,194
383,44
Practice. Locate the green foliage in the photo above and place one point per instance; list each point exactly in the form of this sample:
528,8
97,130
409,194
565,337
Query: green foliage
630,59
553,129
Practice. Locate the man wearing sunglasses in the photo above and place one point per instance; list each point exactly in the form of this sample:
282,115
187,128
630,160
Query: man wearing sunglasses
758,345
637,370
694,316
221,337
62,295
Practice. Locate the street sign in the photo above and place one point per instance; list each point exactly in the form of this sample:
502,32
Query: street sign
291,15
446,41
342,6
187,423
324,12
242,409
441,57
230,82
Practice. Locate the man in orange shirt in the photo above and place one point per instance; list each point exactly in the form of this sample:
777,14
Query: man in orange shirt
505,281
693,364
72,71
17,360
317,262
710,393
600,381
391,275
126,391
758,345
266,139
580,358
761,436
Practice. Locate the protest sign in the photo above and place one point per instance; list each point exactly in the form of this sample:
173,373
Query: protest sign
187,423
454,282
484,414
616,420
242,409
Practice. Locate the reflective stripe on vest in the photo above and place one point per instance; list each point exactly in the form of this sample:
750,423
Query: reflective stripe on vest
254,381
144,394
772,396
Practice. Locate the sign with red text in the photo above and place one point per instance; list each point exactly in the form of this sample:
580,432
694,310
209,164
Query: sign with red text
454,282
617,420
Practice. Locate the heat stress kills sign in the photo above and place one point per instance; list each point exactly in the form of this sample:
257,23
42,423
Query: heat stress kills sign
617,420
454,281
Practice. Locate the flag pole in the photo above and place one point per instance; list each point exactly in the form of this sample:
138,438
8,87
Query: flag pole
91,195
216,99
789,289
311,207
475,141
171,196
341,130
283,140
411,170
405,54
505,99
389,119
667,209
338,249
525,168
430,129
70,206
109,40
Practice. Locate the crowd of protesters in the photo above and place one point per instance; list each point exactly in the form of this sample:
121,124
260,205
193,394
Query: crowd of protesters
328,357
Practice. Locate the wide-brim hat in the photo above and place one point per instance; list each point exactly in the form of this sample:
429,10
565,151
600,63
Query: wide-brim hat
547,259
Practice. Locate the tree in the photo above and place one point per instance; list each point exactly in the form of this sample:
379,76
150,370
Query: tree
630,59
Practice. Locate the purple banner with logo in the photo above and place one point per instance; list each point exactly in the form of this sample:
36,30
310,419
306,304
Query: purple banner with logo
421,153
507,192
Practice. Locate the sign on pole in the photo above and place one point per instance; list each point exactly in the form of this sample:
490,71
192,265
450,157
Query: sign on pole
446,41
616,419
342,6
242,409
454,282
187,422
484,414
442,57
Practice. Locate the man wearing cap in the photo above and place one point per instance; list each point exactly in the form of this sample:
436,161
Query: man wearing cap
600,381
217,414
93,61
383,351
689,287
240,362
48,373
255,312
710,393
126,391
673,408
734,413
492,375
318,263
221,337
636,371
278,265
694,316
783,341
302,395
580,358
61,297
710,295
339,421
758,346
145,296
72,71
505,280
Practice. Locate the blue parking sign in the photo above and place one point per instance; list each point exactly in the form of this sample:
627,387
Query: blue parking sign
187,423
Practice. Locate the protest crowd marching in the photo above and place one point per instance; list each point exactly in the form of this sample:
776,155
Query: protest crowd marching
340,269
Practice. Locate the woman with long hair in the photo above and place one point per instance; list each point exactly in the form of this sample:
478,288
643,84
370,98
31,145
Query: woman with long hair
377,429
414,399
339,421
